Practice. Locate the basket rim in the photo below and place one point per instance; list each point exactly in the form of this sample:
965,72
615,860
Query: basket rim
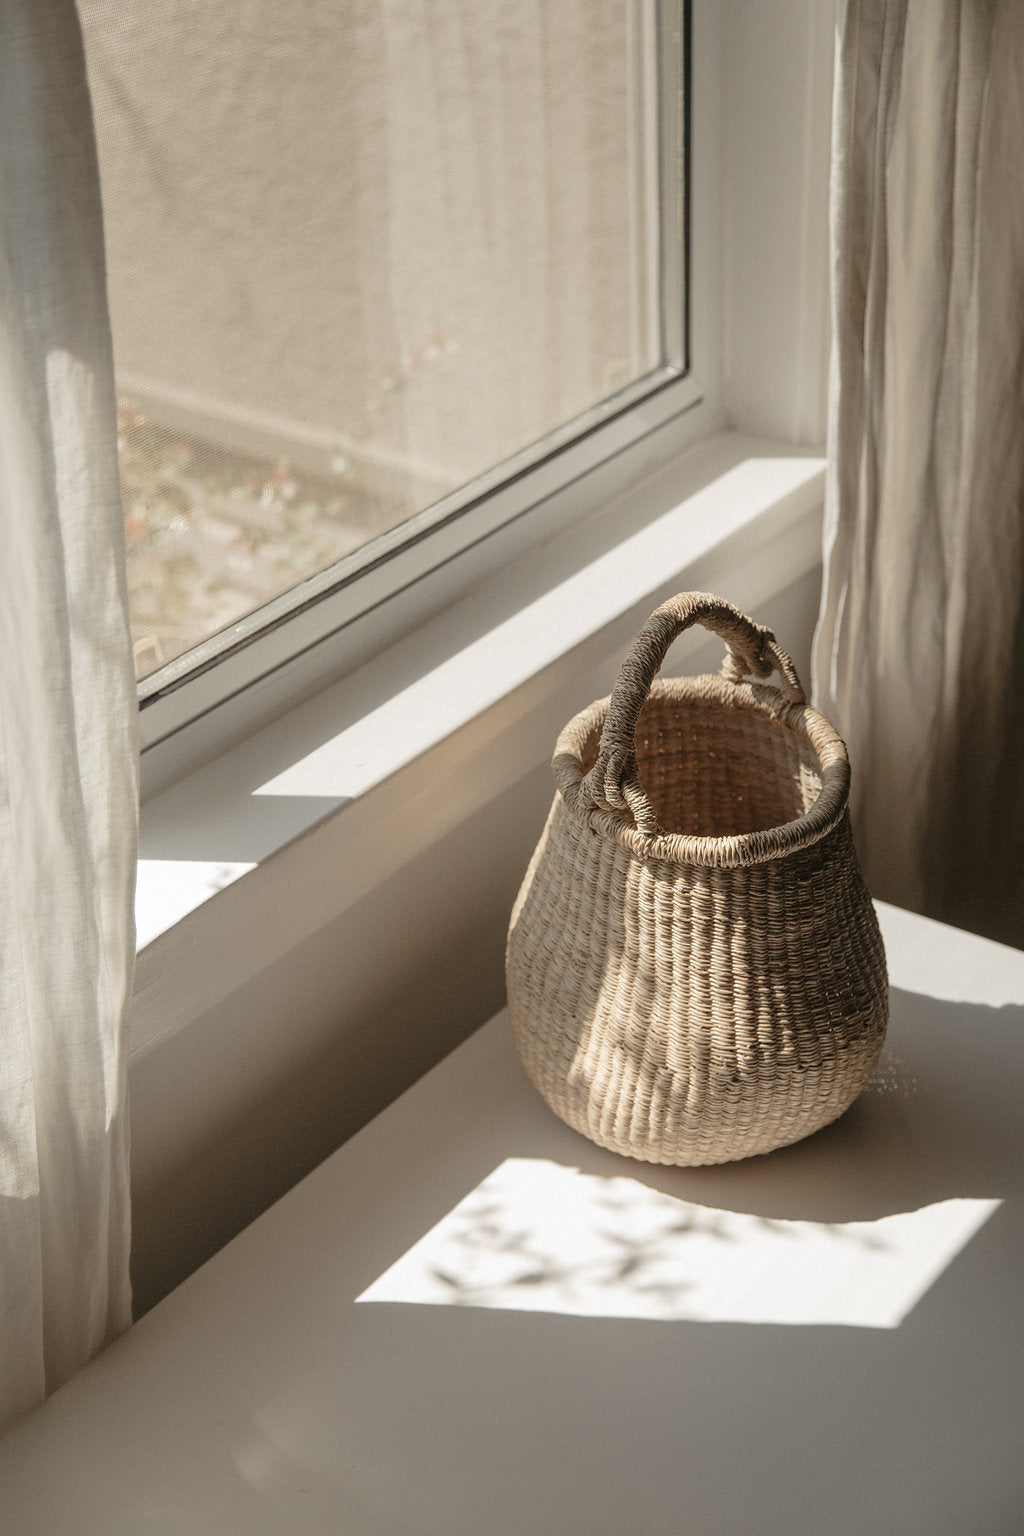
737,850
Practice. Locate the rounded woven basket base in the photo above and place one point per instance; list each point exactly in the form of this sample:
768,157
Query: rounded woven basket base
794,1106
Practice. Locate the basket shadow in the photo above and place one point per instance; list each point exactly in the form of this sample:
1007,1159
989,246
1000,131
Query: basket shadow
939,1119
853,1224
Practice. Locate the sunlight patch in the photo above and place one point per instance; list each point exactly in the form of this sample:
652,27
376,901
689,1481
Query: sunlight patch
538,1237
169,889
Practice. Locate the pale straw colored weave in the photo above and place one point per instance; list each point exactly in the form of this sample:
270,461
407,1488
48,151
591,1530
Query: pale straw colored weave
695,971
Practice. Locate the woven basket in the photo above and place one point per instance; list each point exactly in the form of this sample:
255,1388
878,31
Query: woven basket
695,971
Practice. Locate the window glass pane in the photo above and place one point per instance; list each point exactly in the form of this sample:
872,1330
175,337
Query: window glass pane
359,254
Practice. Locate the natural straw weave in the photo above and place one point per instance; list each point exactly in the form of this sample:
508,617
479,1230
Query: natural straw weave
695,971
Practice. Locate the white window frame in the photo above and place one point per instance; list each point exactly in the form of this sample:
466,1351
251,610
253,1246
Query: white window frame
758,338
759,332
250,673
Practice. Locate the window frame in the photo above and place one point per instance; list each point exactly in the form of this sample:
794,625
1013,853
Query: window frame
330,624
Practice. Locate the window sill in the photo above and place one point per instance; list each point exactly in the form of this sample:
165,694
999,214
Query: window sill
259,849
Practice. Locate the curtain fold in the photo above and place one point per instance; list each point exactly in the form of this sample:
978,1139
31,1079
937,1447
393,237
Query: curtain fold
919,653
68,725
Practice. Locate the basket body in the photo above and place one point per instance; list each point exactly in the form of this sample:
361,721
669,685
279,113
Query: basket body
716,988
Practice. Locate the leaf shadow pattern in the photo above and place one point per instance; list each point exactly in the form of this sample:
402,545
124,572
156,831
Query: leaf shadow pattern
540,1236
491,1252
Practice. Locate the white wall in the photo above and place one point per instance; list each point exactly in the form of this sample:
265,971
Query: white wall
776,131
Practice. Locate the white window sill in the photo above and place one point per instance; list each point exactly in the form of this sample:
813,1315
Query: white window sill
262,847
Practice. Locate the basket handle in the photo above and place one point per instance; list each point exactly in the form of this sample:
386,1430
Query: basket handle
612,783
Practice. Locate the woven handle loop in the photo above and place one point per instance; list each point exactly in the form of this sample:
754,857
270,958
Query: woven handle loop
751,650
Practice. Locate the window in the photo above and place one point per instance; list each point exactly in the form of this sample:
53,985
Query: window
384,278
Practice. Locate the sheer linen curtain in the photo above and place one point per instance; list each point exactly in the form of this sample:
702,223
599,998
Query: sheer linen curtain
68,723
919,655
